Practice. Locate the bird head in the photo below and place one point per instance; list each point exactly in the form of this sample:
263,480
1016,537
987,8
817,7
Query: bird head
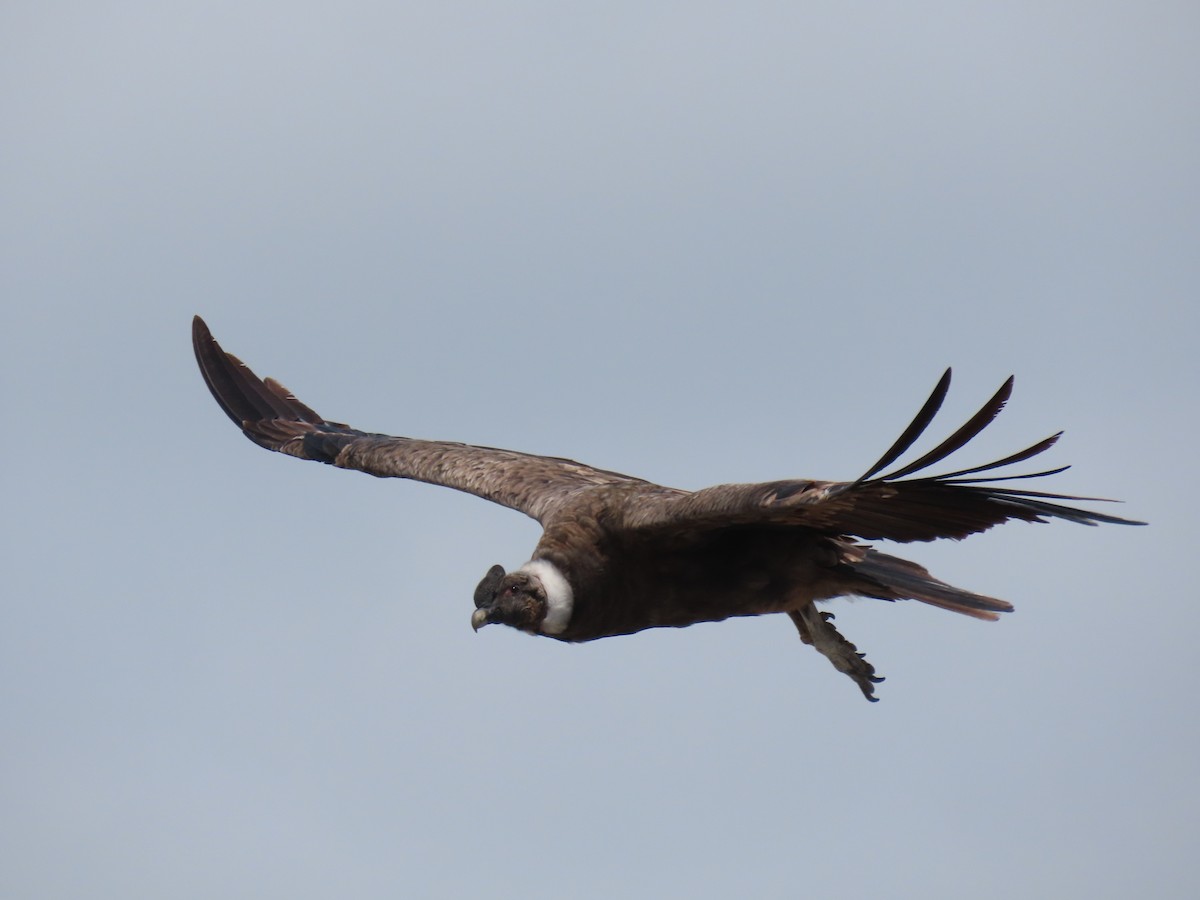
516,599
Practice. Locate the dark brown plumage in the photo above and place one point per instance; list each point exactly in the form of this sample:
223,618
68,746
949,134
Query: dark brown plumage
619,554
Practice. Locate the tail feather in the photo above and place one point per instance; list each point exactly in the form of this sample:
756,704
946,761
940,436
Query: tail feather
893,578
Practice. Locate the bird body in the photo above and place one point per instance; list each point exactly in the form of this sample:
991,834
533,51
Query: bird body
619,554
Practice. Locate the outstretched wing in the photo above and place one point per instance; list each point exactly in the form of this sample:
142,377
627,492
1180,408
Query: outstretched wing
272,417
891,506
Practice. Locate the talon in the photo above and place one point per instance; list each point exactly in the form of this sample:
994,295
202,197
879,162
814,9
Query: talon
816,631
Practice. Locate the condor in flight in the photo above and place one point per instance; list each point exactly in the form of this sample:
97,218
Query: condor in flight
619,554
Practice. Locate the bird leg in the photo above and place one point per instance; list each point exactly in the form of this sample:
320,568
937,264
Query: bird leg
815,630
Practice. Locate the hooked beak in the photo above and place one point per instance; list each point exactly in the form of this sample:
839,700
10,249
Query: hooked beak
479,618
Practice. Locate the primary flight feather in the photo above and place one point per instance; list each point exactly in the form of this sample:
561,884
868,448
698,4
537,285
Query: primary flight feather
619,554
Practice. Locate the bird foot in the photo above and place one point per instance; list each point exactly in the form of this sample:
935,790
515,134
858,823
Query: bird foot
816,630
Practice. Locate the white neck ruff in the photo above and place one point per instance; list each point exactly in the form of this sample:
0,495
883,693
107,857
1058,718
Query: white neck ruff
560,599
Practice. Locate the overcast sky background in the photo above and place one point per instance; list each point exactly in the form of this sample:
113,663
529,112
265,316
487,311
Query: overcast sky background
695,242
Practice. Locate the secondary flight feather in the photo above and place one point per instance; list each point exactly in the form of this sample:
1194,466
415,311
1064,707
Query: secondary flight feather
619,554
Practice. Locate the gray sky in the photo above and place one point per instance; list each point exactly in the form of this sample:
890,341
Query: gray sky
694,242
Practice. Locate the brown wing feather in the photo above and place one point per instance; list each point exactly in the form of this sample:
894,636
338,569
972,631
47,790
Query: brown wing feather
273,418
916,509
